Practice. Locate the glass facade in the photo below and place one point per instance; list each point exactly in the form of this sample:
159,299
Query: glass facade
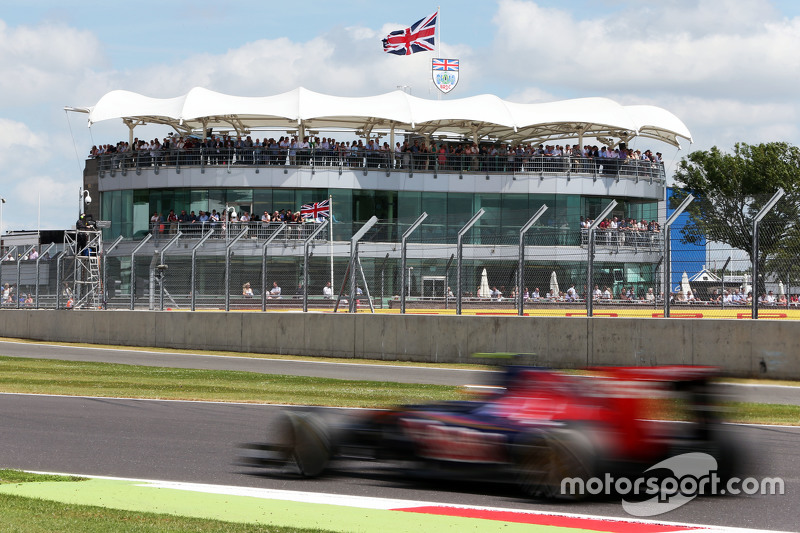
129,210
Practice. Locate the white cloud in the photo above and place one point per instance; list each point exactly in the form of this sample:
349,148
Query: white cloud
683,47
38,62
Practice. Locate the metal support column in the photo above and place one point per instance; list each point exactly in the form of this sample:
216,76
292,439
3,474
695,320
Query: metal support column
403,258
133,268
162,269
353,260
19,285
521,263
306,244
460,257
46,251
668,250
590,256
267,242
228,249
761,214
193,286
105,269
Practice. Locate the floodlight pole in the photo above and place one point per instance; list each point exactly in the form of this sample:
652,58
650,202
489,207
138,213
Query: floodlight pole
521,265
590,256
460,251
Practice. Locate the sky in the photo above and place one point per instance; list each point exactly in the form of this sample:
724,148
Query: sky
729,69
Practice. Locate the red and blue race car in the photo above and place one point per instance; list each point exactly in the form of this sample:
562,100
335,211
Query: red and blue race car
536,427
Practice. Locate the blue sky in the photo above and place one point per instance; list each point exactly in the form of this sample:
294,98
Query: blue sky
729,70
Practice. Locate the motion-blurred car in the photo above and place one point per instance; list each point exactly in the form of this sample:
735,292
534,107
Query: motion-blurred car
537,427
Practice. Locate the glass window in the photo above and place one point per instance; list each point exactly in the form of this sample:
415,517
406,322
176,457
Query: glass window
198,201
262,201
216,200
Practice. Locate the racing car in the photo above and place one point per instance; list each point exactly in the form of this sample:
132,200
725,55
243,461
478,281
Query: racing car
536,427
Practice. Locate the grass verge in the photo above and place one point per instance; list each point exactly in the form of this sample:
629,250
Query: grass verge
74,378
71,378
30,515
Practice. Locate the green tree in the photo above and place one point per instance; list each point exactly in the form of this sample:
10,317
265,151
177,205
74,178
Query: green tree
731,188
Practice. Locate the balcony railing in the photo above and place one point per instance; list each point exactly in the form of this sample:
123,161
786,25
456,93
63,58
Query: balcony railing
409,162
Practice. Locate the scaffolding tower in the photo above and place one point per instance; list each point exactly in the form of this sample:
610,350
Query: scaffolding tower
83,252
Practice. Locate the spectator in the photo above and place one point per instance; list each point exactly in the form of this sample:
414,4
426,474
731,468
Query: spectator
572,295
327,291
247,291
275,291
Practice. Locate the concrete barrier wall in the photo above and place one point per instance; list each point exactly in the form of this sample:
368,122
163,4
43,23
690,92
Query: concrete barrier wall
745,348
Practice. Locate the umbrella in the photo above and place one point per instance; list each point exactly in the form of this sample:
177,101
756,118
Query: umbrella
554,283
484,291
781,288
685,287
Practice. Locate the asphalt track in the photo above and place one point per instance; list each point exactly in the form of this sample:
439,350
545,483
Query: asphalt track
195,442
778,394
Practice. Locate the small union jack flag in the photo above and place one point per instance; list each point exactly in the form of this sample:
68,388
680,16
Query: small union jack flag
418,38
316,210
445,64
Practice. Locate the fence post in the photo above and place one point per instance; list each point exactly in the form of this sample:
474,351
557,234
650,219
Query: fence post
192,287
460,251
521,264
58,278
761,214
228,249
668,250
264,264
162,270
403,258
590,255
105,270
354,263
306,243
133,268
19,285
46,251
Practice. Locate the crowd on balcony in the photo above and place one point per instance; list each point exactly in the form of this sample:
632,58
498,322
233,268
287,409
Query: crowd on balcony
409,155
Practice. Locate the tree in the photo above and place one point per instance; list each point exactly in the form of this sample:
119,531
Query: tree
729,191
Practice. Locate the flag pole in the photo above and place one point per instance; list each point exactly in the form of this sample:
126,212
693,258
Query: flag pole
330,235
438,41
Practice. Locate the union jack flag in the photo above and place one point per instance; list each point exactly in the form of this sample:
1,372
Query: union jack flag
418,38
445,64
316,210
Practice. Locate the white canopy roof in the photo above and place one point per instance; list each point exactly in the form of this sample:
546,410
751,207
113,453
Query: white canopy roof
484,117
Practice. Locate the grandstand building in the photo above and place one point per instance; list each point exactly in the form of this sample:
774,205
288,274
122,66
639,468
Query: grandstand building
395,156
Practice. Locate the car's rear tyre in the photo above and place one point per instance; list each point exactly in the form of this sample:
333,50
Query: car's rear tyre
545,459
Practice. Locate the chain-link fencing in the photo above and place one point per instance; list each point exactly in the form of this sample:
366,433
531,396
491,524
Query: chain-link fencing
609,261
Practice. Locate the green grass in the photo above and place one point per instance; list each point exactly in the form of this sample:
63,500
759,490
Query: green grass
30,515
19,476
72,378
763,413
